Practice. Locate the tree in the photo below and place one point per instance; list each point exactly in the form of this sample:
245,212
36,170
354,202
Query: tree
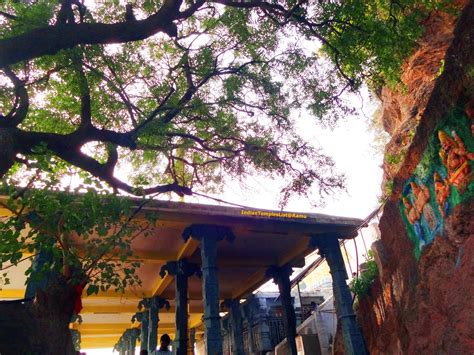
77,241
187,92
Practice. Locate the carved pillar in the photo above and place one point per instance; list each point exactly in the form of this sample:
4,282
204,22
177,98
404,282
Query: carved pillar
209,235
153,305
281,276
236,326
131,336
121,346
181,270
329,248
143,318
261,316
192,338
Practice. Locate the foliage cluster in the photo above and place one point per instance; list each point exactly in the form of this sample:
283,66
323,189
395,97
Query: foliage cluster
86,236
213,95
360,286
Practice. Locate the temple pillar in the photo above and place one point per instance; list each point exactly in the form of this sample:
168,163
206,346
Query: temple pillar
236,326
121,346
153,306
192,340
132,334
261,317
209,235
281,276
181,270
329,248
143,318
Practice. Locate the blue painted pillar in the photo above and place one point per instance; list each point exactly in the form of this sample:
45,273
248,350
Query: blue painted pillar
192,337
121,346
281,276
153,305
131,337
329,248
143,318
181,270
261,316
209,235
236,325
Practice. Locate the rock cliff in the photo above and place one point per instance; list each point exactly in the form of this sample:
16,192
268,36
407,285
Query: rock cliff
423,301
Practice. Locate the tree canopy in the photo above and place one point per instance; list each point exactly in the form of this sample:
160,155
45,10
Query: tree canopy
185,92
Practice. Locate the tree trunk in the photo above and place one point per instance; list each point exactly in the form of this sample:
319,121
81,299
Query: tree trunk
39,325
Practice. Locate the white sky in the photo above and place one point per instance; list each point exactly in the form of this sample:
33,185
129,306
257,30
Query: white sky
351,145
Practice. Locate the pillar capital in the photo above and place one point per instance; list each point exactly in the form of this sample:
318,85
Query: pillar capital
230,303
153,305
180,268
155,302
143,317
279,273
140,316
200,231
132,332
323,241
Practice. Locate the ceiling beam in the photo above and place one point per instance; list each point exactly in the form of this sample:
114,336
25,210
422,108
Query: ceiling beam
9,293
255,280
113,326
118,332
194,309
162,283
296,254
114,295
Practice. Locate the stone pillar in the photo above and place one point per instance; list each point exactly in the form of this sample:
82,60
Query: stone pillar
226,335
281,276
143,318
249,314
209,235
132,335
153,305
192,339
121,346
236,326
261,316
181,270
329,248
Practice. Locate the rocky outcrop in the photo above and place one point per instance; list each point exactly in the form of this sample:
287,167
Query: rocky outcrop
423,301
404,106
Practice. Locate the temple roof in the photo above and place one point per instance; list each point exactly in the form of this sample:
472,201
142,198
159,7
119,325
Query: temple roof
262,238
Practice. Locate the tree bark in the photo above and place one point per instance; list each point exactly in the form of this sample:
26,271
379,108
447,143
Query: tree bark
39,325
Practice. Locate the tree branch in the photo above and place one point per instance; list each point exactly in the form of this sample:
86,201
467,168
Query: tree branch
7,15
105,173
21,105
52,39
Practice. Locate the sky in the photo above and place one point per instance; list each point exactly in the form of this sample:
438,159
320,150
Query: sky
350,144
